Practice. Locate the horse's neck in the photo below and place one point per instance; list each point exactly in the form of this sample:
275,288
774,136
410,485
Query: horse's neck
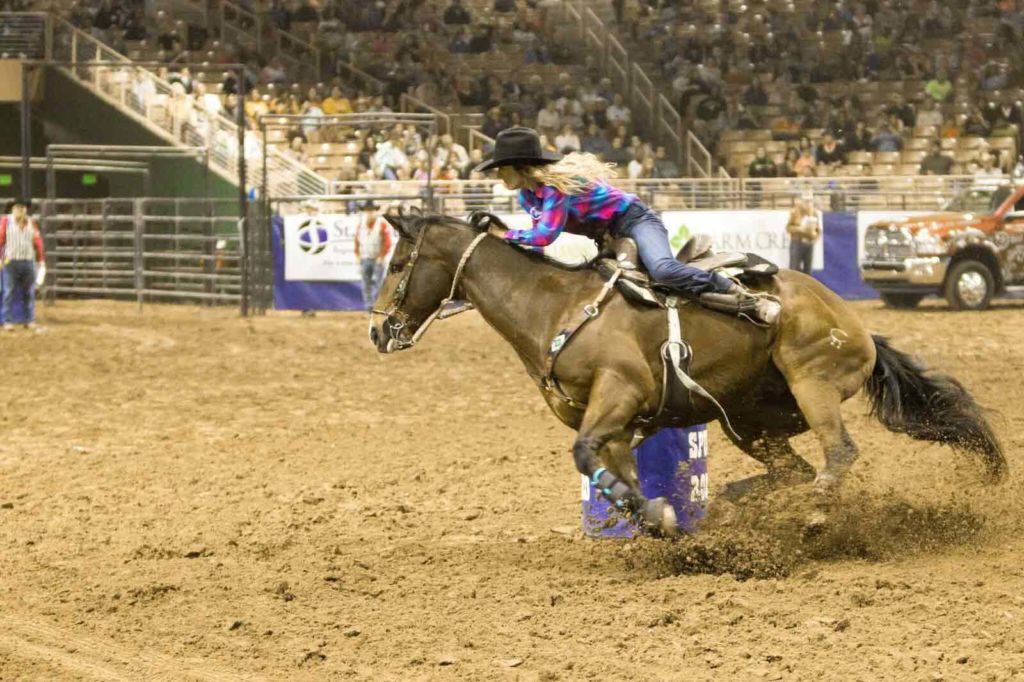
521,297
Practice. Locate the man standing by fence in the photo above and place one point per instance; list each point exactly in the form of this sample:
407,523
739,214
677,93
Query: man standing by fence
373,243
804,230
22,248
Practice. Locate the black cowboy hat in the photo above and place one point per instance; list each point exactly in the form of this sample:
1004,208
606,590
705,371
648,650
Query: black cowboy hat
518,146
27,203
369,205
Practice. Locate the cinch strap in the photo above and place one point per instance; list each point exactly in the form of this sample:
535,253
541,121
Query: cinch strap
672,353
590,311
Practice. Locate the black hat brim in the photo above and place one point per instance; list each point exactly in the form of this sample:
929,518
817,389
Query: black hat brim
545,158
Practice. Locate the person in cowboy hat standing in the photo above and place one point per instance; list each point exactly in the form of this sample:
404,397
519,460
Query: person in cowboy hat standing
22,249
373,243
573,193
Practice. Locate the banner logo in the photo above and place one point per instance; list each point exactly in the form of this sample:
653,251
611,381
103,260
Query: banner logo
680,237
314,237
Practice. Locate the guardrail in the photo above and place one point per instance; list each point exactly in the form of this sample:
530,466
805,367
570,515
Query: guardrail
476,139
412,105
838,193
650,108
374,85
177,117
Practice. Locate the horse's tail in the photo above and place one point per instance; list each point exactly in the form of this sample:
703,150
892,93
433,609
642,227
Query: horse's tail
908,398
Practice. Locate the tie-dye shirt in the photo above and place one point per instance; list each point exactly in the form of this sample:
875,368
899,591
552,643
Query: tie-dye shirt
552,211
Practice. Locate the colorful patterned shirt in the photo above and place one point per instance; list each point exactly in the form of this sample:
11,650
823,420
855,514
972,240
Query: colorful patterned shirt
552,211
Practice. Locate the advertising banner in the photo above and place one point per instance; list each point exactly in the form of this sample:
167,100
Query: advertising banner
309,295
760,232
320,248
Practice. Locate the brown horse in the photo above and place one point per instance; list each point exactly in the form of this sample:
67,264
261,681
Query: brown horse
773,383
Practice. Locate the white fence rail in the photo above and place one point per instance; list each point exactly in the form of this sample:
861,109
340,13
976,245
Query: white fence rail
839,193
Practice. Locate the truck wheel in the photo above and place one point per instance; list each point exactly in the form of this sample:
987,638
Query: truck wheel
902,301
969,286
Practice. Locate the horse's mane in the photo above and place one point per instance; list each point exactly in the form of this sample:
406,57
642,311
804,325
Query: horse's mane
425,219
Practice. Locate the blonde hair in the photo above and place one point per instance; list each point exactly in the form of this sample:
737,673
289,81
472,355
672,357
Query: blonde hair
574,174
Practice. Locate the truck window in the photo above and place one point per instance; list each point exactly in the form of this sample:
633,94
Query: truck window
998,197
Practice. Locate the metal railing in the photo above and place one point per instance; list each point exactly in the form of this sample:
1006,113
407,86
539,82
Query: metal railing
698,159
412,105
174,115
477,140
373,85
838,193
143,249
257,30
590,37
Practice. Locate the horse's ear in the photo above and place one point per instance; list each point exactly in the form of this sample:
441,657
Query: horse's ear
482,221
397,220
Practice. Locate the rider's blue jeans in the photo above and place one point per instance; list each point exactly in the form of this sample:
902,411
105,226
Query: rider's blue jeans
644,227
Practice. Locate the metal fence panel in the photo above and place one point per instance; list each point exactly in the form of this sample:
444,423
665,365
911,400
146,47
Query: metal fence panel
146,249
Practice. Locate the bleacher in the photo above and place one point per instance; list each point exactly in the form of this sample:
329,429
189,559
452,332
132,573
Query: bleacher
750,24
739,146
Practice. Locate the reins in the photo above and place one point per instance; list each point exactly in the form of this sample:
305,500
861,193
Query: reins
441,313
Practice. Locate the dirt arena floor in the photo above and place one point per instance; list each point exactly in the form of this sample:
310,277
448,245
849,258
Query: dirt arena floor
185,494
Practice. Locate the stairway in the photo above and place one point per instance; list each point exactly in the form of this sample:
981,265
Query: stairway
174,116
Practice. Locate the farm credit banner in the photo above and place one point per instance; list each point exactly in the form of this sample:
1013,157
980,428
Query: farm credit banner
760,232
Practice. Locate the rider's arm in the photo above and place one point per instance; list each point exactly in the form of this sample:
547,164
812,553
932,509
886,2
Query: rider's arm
554,211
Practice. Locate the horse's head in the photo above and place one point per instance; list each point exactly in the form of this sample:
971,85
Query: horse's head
421,279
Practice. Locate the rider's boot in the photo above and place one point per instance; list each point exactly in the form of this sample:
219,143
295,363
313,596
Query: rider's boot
738,300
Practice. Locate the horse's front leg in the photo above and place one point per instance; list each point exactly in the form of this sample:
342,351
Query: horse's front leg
601,449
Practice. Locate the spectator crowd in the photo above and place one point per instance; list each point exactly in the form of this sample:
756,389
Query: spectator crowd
815,75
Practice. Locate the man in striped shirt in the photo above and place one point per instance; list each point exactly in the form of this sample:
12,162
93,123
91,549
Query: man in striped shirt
22,249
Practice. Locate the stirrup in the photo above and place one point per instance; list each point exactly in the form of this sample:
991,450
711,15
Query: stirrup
761,309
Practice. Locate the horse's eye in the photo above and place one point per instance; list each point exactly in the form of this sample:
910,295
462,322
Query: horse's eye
396,267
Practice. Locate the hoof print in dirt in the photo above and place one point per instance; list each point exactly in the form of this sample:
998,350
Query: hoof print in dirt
312,658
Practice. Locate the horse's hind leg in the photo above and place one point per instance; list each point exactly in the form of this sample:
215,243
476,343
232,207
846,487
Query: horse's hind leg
820,404
783,466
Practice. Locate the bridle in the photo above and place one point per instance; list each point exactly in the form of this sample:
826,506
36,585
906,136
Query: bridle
396,319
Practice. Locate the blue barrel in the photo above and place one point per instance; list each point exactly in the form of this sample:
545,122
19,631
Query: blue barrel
673,463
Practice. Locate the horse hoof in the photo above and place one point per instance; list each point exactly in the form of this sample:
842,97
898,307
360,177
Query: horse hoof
826,486
660,517
816,524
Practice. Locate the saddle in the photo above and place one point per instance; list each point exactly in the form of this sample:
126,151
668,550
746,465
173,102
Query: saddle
635,284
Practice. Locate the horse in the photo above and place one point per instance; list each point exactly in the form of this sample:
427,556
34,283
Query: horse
773,383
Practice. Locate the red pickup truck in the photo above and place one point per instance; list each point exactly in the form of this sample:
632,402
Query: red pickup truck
969,253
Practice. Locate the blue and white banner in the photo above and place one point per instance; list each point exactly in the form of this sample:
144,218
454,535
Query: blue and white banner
312,295
320,248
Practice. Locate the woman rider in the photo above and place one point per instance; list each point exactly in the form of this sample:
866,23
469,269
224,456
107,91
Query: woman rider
573,193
